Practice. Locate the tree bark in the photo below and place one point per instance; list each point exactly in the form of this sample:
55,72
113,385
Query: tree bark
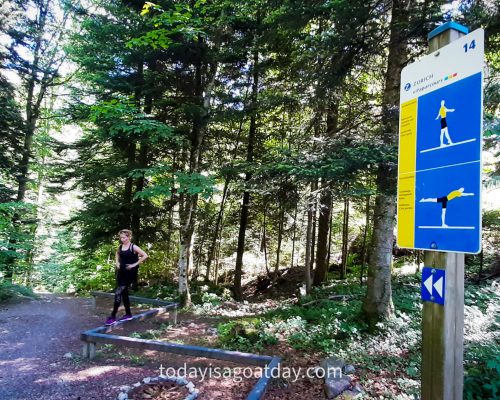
345,239
203,91
378,303
280,238
365,234
294,236
325,208
309,232
238,269
264,243
323,235
211,252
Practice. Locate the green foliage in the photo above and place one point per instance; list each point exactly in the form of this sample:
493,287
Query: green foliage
9,291
481,377
153,334
164,291
11,129
178,182
244,335
170,25
120,118
17,221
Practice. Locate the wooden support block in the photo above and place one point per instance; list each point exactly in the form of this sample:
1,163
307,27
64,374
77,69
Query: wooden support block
85,350
89,350
173,316
92,347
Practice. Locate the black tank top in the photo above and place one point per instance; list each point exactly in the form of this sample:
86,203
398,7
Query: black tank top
127,256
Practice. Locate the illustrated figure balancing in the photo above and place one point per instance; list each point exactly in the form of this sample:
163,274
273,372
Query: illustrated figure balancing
444,201
444,125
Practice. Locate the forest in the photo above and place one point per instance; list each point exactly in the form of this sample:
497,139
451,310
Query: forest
252,150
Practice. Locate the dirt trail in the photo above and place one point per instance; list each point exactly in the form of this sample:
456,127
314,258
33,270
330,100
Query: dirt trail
36,335
34,338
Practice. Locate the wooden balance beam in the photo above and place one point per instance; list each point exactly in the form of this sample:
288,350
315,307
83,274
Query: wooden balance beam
137,299
101,335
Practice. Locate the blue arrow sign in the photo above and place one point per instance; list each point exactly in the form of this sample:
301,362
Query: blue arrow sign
433,285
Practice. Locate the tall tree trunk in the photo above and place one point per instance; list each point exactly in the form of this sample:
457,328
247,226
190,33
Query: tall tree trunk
238,269
365,234
32,108
220,214
309,233
328,258
294,236
325,208
186,236
137,203
345,238
313,236
323,235
34,228
264,243
280,239
199,257
129,186
203,91
33,104
378,301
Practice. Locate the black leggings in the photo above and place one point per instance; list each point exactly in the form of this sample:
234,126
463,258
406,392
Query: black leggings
121,292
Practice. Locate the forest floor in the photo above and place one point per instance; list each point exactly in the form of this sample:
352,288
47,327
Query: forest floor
40,347
40,354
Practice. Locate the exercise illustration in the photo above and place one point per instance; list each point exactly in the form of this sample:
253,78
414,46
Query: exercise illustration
444,125
444,201
445,134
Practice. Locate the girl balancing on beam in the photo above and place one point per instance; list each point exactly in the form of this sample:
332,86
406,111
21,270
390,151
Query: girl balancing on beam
444,125
128,257
444,201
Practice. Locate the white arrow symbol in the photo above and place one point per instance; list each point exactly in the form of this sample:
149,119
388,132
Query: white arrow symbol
428,284
439,286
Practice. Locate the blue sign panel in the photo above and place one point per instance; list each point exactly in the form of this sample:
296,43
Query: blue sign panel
448,176
449,123
440,146
433,285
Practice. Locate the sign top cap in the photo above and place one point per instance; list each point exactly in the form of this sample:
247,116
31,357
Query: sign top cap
446,26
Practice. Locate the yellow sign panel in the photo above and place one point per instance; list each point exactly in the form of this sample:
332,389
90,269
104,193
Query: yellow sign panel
406,175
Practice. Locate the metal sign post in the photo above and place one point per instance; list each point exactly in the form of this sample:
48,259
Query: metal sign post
439,191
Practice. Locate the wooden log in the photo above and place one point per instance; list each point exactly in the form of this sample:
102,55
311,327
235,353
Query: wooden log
260,387
139,317
142,300
175,348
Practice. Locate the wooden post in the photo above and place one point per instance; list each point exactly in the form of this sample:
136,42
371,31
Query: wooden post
443,332
443,325
89,350
173,316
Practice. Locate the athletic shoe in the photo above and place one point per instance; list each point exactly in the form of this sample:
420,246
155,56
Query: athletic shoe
110,321
126,317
